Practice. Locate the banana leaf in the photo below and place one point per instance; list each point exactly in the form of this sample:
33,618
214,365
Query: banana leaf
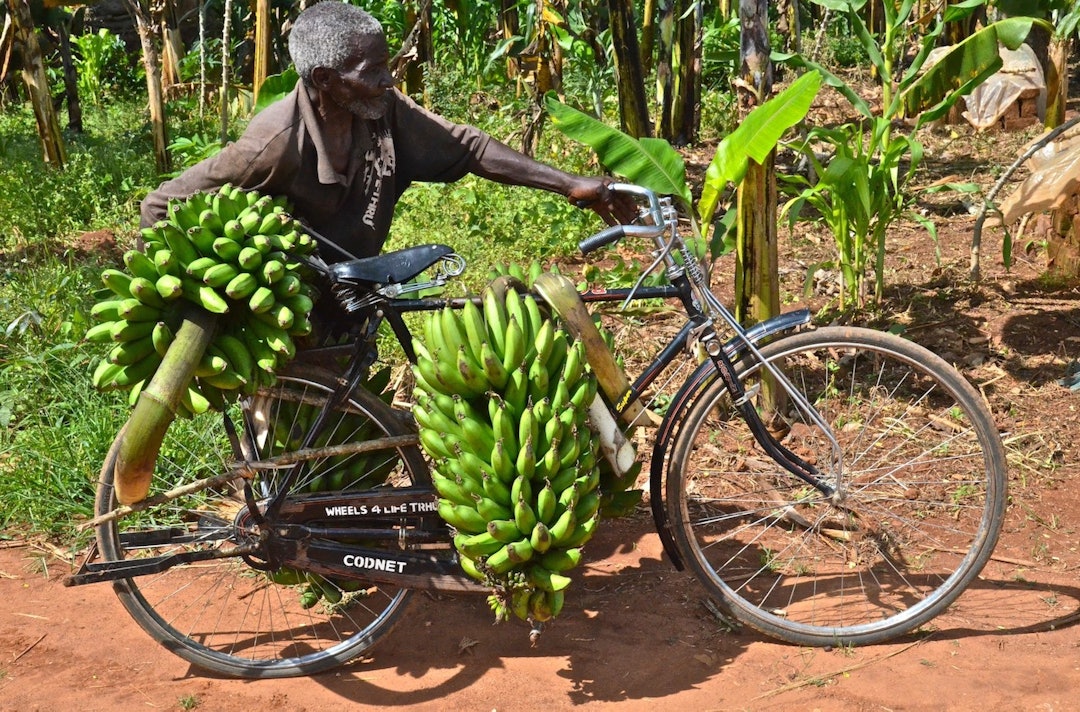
963,68
275,87
755,138
649,162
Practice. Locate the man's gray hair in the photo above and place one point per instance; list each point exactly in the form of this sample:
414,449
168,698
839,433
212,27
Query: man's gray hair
323,35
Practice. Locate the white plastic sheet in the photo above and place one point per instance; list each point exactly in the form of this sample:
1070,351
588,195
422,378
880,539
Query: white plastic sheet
991,99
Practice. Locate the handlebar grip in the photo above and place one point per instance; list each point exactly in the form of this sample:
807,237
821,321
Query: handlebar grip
604,237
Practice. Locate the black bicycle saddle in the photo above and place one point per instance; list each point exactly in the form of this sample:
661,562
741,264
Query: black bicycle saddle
390,268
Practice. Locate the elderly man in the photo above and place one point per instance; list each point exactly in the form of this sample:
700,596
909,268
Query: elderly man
345,144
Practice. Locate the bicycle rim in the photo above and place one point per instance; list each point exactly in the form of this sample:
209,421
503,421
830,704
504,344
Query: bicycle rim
922,491
224,615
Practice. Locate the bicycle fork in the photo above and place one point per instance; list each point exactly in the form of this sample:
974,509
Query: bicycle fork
768,442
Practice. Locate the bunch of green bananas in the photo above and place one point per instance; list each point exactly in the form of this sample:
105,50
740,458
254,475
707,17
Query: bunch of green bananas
501,401
233,253
619,498
525,275
314,587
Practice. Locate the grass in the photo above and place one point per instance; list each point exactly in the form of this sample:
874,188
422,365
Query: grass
54,426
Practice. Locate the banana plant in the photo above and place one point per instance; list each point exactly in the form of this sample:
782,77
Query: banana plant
655,164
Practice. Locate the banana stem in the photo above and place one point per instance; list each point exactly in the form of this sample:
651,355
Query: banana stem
157,404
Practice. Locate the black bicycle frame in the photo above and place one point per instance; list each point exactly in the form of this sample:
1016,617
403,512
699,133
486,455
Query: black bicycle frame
338,534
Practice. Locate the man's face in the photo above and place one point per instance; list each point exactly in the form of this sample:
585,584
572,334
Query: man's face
361,84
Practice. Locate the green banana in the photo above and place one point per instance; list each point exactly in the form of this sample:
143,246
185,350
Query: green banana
106,310
102,333
169,287
219,275
540,538
524,516
495,319
504,530
559,560
140,265
546,580
117,281
129,352
477,545
461,517
241,287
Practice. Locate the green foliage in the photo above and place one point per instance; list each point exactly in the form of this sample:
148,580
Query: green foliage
1065,14
191,64
846,51
720,52
188,150
653,163
858,195
864,189
275,87
54,427
108,168
461,36
104,68
487,223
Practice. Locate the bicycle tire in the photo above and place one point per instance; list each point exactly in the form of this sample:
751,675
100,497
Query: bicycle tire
921,505
224,615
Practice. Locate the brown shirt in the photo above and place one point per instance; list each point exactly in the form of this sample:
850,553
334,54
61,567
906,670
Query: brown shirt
282,153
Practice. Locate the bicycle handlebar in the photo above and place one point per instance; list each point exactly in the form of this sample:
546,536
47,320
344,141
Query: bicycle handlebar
617,232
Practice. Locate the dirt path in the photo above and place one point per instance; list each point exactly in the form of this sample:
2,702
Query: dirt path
635,635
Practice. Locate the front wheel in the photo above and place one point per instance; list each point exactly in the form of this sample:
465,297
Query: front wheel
920,479
222,614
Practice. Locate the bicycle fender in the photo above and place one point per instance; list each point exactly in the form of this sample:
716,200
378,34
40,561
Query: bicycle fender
684,399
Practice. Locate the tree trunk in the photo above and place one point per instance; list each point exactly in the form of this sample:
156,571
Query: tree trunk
1057,81
155,96
648,34
71,83
787,25
686,105
665,69
7,46
421,51
509,23
874,16
37,85
171,42
629,74
757,295
756,260
226,39
263,47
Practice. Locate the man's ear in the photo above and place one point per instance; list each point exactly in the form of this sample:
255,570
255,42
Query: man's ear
321,77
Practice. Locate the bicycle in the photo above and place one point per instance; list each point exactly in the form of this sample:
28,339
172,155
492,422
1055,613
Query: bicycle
828,486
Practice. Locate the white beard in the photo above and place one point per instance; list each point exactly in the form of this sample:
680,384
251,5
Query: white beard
369,108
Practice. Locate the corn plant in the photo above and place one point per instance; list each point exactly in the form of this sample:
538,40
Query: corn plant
863,187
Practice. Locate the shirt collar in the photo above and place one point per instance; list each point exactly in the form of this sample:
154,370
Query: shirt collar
312,122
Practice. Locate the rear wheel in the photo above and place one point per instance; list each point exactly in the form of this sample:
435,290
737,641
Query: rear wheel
222,614
921,484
